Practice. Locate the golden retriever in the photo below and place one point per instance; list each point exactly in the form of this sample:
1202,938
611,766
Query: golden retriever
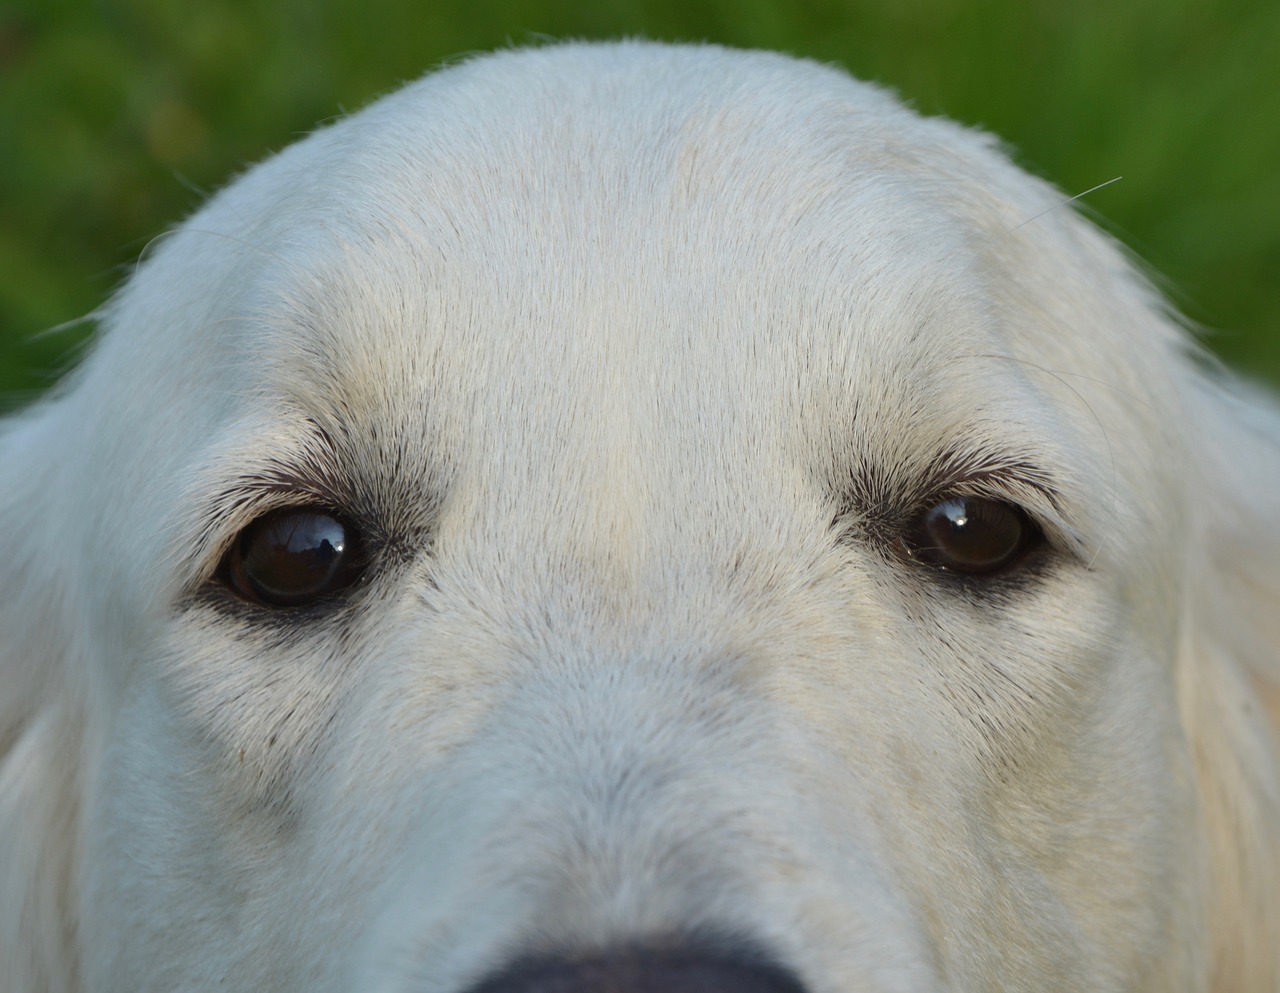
640,518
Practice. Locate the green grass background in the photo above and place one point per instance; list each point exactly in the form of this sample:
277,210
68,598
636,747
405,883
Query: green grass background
116,117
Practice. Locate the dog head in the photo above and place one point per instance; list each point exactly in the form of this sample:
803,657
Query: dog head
620,511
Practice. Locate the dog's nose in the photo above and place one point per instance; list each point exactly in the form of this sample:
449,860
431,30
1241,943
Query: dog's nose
644,971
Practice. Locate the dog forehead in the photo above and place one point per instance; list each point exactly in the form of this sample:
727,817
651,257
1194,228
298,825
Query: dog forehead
583,204
588,240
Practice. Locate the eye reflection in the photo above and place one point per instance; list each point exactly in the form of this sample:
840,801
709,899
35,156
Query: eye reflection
974,535
293,557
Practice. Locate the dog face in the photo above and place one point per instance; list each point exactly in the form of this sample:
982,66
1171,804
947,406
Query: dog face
655,508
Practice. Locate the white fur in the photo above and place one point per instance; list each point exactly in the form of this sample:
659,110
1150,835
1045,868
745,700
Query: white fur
620,347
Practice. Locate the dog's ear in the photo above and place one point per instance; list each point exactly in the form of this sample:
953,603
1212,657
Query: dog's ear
41,720
1229,673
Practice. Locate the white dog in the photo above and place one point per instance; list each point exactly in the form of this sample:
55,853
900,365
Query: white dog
649,519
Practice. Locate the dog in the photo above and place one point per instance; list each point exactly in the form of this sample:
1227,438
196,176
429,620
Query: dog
640,517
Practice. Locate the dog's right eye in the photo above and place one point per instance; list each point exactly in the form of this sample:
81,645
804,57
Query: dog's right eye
292,558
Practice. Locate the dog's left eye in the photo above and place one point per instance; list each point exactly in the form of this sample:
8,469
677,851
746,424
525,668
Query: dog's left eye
293,557
973,535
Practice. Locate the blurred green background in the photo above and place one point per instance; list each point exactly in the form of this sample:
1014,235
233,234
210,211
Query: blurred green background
117,117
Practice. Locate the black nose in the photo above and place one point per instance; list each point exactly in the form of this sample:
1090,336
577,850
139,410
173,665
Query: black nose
644,970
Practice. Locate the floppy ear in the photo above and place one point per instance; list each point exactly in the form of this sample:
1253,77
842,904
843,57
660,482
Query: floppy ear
42,721
1229,675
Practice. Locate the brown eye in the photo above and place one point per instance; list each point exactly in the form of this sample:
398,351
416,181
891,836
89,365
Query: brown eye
289,558
972,535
